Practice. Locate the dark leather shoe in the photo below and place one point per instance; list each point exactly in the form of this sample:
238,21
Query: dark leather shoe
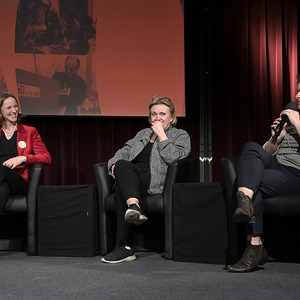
254,256
245,211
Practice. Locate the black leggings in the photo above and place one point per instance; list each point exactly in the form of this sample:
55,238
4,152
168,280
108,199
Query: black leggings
131,183
259,171
10,183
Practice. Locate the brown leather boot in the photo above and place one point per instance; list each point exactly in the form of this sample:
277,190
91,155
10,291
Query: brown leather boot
245,211
254,256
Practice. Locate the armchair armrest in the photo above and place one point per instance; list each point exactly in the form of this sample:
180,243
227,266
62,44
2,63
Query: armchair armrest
185,170
229,165
35,177
104,181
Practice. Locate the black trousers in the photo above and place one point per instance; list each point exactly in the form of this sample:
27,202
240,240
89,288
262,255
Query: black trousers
259,171
10,183
132,182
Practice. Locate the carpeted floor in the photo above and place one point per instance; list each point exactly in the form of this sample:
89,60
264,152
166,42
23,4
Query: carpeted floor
150,276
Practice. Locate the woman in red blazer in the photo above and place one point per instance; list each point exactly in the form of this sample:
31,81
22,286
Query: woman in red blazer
20,147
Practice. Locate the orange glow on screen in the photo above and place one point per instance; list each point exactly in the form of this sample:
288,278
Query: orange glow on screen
136,51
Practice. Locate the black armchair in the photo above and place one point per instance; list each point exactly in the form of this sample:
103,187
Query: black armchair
23,210
281,220
185,170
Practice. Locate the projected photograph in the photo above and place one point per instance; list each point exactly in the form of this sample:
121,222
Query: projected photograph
3,87
53,26
93,57
63,85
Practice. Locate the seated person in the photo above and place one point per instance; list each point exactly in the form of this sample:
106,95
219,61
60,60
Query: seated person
20,147
265,172
140,168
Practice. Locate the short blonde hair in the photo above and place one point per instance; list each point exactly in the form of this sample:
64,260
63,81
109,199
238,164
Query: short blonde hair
166,101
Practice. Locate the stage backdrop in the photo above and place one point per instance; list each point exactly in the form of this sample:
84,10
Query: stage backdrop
256,62
122,53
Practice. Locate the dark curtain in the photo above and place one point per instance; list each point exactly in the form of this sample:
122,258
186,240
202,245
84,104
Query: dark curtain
252,55
255,63
76,144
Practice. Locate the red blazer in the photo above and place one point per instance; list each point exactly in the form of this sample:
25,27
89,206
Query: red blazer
29,143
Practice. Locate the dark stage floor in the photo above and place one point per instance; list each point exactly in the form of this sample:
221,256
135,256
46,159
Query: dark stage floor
150,276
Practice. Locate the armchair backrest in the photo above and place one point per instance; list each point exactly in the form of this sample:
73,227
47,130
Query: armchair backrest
185,170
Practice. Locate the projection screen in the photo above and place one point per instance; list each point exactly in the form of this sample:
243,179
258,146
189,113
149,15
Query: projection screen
92,57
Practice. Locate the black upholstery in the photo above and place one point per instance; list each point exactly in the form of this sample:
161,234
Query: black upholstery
183,171
281,220
23,208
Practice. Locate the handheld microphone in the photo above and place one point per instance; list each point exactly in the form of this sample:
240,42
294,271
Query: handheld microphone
284,118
